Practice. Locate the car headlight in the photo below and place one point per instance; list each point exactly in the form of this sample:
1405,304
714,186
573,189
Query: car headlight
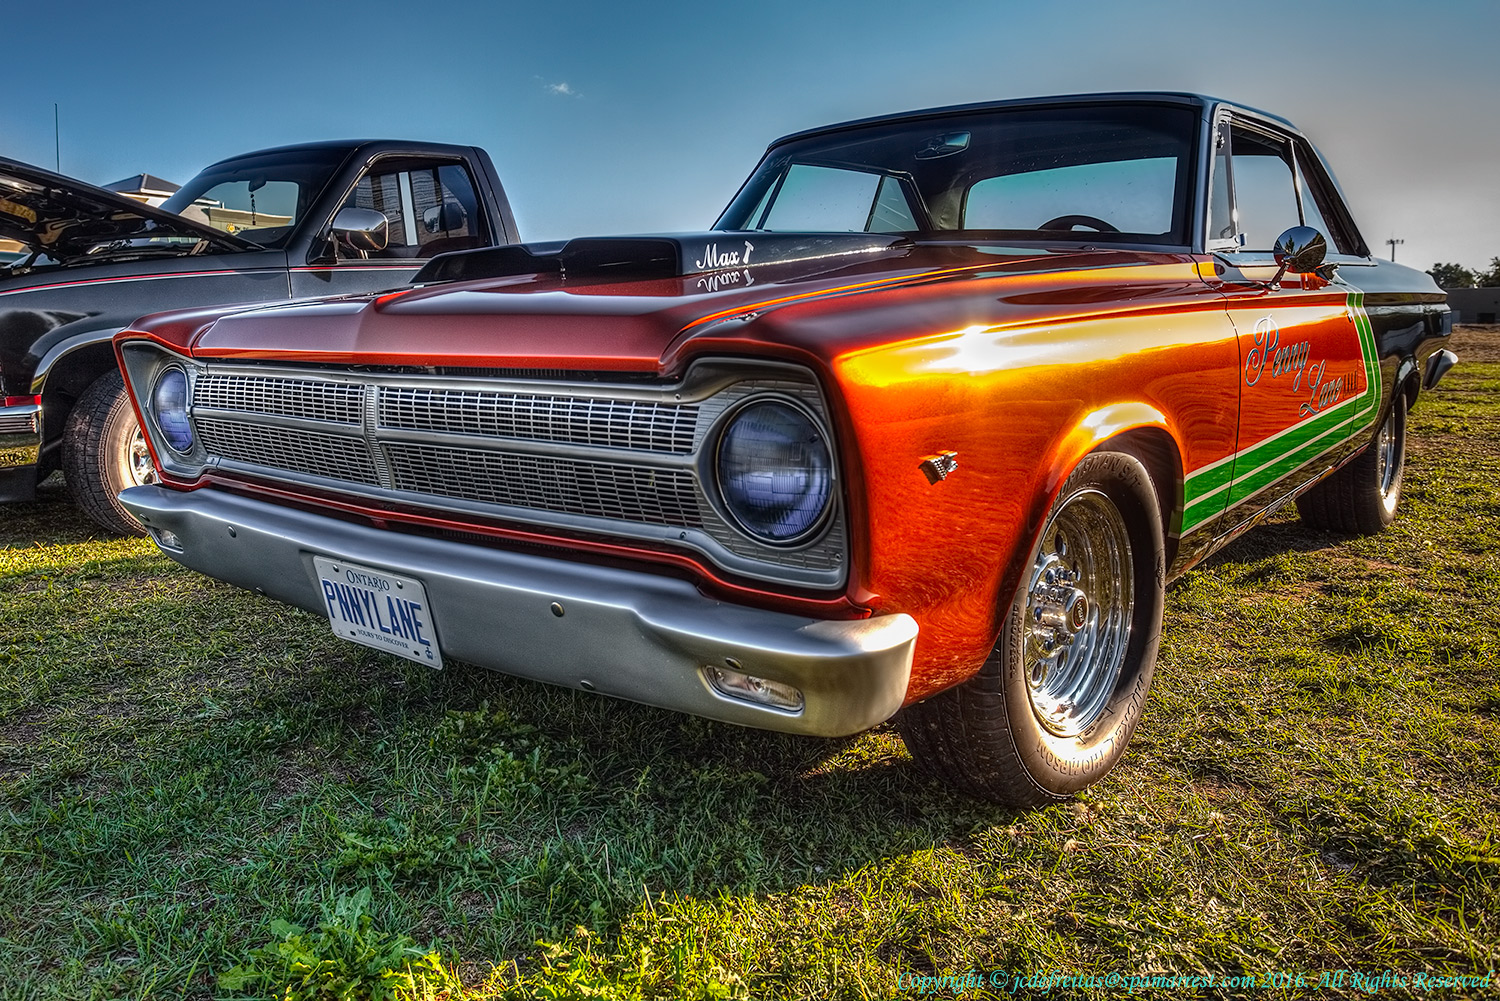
169,405
775,471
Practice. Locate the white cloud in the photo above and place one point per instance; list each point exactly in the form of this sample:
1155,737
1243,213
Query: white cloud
562,88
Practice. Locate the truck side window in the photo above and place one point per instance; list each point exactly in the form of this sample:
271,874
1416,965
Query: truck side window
447,210
432,208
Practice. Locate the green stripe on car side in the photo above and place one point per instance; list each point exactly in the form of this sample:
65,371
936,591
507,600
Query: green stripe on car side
1257,467
1212,477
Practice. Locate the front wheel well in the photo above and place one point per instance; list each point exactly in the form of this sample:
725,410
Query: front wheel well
69,378
1157,451
1412,386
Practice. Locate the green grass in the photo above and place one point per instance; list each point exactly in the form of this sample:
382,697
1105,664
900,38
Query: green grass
204,794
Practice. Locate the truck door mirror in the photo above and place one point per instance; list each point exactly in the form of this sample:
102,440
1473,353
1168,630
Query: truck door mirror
363,230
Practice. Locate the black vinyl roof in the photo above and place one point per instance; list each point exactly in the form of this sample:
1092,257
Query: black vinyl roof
1116,97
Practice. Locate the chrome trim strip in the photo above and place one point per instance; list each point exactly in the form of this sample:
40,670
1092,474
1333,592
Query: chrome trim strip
703,381
630,634
277,420
592,453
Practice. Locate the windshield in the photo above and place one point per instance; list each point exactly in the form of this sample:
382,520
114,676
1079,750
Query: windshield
1120,173
257,198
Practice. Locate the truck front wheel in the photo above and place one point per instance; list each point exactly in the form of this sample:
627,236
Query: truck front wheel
104,452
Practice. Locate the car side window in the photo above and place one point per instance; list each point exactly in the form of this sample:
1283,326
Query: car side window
1222,233
1265,188
432,209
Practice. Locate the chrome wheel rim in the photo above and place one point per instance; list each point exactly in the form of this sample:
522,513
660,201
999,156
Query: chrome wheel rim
138,459
1388,451
1079,608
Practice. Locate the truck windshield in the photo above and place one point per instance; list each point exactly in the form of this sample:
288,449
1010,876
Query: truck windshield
258,197
1107,173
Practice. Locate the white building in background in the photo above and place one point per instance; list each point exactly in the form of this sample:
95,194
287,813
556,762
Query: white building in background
146,188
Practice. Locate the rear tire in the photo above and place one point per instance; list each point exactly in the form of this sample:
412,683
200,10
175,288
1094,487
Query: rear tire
103,452
1053,707
1361,498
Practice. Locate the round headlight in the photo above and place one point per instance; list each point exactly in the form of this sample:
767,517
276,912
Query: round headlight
169,406
775,471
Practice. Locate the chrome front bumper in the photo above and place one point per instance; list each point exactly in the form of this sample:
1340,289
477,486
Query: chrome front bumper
634,635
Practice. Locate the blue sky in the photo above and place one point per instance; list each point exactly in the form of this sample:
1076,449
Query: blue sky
618,117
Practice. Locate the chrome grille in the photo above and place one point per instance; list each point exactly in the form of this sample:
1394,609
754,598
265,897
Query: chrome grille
310,399
575,420
313,453
628,460
591,489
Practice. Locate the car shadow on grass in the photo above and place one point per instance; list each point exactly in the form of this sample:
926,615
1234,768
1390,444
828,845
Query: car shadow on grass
462,777
51,519
1285,535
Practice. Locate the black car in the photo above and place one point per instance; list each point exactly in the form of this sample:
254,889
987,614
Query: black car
293,222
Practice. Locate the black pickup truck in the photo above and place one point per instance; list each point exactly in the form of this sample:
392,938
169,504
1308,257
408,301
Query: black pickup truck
297,221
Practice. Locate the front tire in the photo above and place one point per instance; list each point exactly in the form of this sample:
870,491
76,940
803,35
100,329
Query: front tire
1361,498
1053,707
103,452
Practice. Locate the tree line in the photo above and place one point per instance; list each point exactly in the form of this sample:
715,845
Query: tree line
1458,276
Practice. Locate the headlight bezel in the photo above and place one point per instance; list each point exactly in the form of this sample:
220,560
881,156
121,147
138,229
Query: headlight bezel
143,362
720,495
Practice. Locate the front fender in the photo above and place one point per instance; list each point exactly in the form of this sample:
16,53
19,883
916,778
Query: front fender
56,355
952,552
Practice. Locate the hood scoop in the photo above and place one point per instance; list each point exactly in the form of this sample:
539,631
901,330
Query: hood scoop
674,256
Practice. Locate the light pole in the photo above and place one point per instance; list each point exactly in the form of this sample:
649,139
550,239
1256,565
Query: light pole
1393,241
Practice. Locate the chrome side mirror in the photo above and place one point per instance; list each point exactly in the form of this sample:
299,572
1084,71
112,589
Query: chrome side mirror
1299,250
359,229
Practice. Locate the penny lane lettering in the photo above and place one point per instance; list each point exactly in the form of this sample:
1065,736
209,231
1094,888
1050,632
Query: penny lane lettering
1324,394
401,617
1269,351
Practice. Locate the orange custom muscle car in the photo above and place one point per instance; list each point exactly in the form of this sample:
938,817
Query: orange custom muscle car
920,428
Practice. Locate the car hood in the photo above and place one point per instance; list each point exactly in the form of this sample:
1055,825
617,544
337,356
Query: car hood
641,304
76,223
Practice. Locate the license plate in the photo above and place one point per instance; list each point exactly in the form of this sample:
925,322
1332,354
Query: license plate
379,609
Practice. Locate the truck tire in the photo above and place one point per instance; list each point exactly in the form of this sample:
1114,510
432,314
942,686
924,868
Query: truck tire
1361,498
1053,707
103,452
